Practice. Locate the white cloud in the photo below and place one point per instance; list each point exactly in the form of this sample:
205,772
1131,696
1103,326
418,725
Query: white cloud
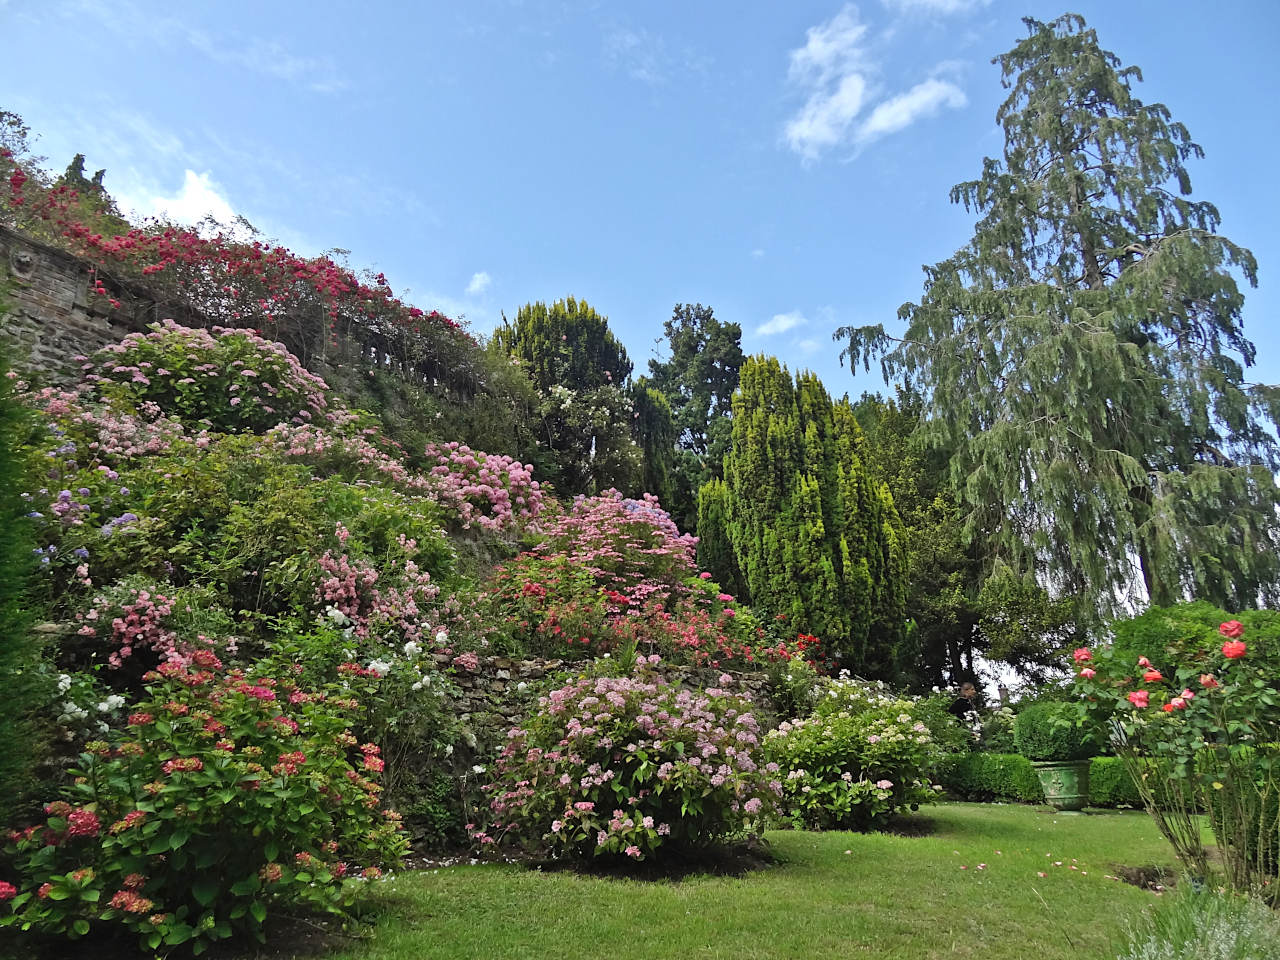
827,117
197,198
639,53
935,6
479,284
839,77
898,113
781,323
757,253
808,346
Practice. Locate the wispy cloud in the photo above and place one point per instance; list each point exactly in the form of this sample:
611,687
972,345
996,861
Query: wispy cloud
781,323
808,346
757,253
840,77
638,53
260,55
942,7
479,284
897,113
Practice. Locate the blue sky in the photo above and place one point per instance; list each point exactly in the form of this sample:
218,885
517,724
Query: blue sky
786,163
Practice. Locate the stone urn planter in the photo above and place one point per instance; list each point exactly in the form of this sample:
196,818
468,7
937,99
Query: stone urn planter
1065,783
1051,736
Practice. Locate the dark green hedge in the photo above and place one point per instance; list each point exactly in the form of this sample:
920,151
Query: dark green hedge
1010,777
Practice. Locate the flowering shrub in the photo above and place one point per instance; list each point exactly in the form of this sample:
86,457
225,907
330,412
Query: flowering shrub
1209,727
487,490
631,547
862,755
630,766
230,380
225,795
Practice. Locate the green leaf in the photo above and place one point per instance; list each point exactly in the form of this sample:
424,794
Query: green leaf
205,890
258,910
80,927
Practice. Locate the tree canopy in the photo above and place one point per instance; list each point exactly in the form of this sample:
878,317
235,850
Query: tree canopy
1082,357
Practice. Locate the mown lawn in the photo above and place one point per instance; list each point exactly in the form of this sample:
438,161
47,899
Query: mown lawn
831,895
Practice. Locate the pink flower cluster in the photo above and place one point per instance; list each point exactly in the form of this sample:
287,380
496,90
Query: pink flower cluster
609,763
487,490
362,593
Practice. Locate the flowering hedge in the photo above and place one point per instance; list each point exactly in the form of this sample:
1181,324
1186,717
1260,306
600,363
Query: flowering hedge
630,766
225,796
487,490
861,756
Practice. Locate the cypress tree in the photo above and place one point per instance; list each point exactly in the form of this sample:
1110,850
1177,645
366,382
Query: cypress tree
809,534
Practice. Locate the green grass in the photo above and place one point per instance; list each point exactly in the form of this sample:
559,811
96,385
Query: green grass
831,895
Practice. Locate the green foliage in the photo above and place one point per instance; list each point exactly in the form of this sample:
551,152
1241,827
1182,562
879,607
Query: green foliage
629,766
1196,924
813,536
991,776
23,685
1208,723
227,796
1082,357
1187,633
228,380
1049,731
656,435
698,380
585,417
1011,777
861,756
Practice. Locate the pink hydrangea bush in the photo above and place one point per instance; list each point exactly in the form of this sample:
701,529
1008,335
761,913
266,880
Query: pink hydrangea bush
630,766
227,795
232,380
860,757
631,547
484,490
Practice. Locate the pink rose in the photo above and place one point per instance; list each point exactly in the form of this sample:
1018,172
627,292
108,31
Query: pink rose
1082,655
1088,673
1232,629
1234,649
1140,698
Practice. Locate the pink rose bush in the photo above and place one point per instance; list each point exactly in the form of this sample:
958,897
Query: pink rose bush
226,795
1197,736
630,766
860,757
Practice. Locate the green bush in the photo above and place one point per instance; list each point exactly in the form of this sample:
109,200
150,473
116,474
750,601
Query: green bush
1010,777
22,688
991,776
860,757
226,796
1196,925
1187,634
1047,731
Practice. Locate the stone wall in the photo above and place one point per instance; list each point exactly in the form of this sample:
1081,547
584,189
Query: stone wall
492,695
52,317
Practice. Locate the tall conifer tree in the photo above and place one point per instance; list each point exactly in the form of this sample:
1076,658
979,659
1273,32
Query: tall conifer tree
799,525
1083,355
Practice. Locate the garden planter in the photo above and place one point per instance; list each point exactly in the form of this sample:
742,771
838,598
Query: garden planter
1065,783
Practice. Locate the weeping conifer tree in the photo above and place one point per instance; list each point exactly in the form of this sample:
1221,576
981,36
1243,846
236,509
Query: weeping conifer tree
1083,356
798,526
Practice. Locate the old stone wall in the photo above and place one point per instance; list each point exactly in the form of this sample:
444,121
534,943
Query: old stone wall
501,691
52,317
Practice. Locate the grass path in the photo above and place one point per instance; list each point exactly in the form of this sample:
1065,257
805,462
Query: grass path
832,895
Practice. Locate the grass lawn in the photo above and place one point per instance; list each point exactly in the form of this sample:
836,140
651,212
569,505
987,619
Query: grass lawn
831,895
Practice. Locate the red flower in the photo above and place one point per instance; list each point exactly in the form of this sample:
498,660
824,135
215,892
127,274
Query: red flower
1153,676
1234,649
7,890
1167,708
1082,655
1208,681
1139,698
1232,629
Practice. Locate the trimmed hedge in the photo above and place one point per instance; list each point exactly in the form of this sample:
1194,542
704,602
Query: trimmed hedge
1011,777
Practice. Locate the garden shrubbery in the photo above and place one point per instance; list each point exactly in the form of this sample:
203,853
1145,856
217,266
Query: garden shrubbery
630,766
861,756
225,795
